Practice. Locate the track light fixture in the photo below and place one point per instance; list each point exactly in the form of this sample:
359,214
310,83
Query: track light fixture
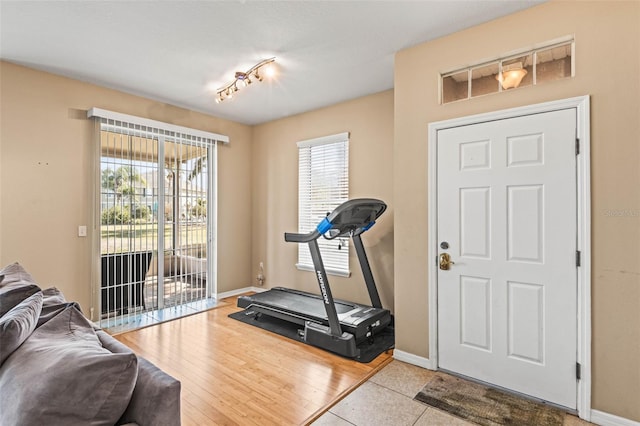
244,79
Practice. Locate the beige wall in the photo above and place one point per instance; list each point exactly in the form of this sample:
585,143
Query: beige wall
275,192
46,178
607,36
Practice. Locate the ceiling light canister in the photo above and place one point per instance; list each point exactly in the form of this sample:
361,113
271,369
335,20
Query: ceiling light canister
511,75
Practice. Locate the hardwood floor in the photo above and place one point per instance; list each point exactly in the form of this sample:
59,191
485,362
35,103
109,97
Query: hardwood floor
236,374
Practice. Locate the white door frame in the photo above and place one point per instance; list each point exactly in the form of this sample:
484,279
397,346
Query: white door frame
583,174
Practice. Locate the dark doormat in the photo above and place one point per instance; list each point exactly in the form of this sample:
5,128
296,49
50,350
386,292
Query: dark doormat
484,405
382,341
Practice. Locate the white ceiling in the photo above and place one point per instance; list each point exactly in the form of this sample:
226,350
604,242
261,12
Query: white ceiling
179,52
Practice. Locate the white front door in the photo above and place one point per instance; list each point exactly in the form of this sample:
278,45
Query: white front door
507,307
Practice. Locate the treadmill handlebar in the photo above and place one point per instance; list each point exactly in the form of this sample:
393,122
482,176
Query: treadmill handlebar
293,237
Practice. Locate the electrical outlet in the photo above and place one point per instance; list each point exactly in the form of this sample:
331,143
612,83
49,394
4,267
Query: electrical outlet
260,277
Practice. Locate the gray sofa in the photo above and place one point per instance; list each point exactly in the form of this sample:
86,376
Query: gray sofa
57,368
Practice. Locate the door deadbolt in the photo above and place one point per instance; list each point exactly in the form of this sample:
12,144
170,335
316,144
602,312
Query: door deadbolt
446,262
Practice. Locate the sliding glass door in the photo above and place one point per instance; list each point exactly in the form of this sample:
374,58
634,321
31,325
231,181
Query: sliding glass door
156,226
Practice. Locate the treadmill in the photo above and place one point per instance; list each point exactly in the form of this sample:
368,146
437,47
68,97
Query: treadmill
332,324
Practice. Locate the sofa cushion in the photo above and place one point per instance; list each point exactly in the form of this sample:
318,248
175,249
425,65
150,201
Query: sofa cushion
50,311
53,303
14,272
52,296
18,324
62,375
15,287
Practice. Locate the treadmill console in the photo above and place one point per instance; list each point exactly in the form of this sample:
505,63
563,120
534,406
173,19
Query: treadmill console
351,218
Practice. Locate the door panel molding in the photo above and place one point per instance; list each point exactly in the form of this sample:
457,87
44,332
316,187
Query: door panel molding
582,107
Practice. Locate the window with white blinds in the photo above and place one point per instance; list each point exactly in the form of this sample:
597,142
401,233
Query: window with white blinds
323,184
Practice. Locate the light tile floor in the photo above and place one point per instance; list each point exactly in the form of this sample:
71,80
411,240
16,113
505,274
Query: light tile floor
387,399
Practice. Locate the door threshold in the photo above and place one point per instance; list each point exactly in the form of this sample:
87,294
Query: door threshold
130,322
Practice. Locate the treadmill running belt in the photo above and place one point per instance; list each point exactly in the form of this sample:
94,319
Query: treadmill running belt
311,306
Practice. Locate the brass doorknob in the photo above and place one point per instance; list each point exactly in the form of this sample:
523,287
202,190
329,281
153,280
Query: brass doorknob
445,261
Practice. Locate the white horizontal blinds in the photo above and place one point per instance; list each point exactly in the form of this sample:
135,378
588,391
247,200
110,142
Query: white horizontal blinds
323,184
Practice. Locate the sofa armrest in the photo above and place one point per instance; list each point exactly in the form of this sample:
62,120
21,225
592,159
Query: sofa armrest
156,396
155,399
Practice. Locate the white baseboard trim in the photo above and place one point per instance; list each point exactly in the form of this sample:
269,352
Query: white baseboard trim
412,359
606,419
236,292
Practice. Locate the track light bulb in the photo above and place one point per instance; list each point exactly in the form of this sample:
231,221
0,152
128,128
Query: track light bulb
269,70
